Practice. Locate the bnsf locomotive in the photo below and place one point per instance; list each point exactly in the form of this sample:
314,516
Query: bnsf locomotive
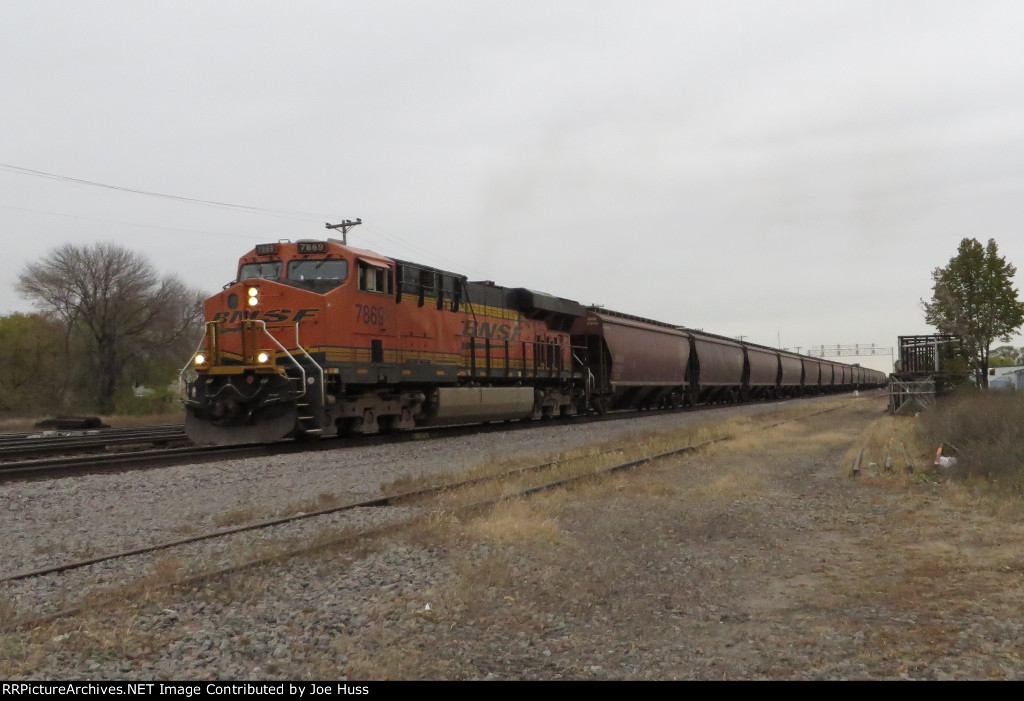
321,338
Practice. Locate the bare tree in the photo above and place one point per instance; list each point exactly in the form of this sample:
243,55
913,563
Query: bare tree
114,299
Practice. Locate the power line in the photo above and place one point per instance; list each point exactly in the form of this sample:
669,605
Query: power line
193,200
282,213
124,223
425,253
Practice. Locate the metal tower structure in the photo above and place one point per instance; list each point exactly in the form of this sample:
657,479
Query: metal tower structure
847,350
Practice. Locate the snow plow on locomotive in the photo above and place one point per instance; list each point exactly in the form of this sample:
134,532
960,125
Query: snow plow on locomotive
318,338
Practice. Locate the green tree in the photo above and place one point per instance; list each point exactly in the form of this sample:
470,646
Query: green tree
1003,357
113,304
34,373
974,298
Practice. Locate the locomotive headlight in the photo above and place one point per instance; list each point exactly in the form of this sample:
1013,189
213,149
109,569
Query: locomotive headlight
262,357
254,296
200,359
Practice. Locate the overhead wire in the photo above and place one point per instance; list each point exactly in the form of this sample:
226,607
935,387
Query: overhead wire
429,254
419,250
123,223
193,200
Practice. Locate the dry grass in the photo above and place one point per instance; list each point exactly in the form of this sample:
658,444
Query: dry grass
101,638
19,425
47,548
519,520
891,448
247,512
534,520
8,611
324,500
985,432
595,459
237,516
176,416
514,562
576,460
165,570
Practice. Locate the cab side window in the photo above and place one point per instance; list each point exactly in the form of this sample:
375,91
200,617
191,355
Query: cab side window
374,279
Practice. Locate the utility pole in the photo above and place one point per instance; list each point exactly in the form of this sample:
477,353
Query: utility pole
344,227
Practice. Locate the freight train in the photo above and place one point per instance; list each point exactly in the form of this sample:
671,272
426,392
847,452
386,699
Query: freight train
318,338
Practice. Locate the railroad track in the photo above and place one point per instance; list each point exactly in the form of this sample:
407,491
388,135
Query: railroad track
532,479
124,459
23,446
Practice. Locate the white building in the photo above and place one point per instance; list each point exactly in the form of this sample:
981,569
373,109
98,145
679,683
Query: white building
1006,378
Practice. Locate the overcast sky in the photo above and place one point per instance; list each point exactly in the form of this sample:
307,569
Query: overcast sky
788,171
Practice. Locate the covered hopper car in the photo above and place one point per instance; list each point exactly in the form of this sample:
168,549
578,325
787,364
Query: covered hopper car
321,338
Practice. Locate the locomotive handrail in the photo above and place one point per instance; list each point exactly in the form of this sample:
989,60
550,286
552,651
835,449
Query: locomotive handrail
586,366
590,381
469,301
291,357
182,384
323,401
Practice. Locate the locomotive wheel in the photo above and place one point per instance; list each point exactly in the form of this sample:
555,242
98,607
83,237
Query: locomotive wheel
349,426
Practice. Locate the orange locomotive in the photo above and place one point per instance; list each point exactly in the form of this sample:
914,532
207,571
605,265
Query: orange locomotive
320,338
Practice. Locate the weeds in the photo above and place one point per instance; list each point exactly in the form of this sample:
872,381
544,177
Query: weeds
985,432
518,520
324,500
236,517
165,569
8,611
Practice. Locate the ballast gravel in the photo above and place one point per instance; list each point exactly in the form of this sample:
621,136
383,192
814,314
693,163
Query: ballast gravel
761,563
51,522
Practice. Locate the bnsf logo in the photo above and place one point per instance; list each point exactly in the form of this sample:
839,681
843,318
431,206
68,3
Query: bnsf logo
268,315
485,329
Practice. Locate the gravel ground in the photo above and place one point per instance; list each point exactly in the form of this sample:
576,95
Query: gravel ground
50,522
759,559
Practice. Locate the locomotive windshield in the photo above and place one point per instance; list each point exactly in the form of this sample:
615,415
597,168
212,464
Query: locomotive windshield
317,275
300,270
270,270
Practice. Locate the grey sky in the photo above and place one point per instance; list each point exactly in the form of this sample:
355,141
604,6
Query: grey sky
788,171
